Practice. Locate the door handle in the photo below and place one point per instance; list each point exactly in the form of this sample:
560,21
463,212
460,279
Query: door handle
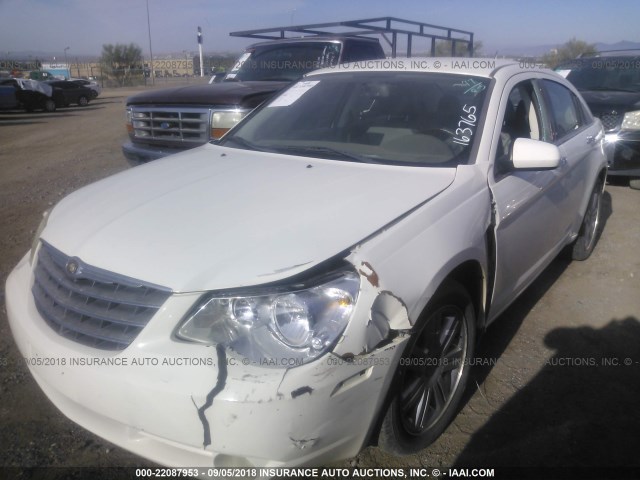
591,139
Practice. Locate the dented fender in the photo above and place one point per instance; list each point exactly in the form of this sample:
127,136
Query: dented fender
403,265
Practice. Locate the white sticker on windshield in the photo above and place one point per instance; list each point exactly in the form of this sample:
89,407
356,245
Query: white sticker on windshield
243,58
564,73
293,94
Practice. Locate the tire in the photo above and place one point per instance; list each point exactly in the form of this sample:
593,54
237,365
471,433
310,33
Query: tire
432,374
49,106
83,101
589,232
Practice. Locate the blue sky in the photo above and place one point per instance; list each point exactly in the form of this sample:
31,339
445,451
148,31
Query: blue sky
85,25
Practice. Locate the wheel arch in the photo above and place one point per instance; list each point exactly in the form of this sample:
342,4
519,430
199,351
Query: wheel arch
471,276
474,280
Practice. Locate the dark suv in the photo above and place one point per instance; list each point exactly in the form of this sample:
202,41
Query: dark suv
611,87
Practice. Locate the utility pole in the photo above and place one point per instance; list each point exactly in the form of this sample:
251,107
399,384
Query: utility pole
153,75
66,64
200,50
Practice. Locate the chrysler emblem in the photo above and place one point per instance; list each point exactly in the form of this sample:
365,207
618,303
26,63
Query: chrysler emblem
73,267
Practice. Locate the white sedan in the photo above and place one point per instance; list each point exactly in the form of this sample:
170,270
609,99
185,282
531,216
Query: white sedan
317,279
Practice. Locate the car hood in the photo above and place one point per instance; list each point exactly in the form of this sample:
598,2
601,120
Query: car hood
247,94
217,217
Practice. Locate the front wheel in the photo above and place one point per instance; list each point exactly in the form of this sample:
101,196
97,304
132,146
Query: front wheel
590,229
49,106
433,373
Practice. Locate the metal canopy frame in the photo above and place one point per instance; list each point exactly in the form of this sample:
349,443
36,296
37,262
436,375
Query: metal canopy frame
382,26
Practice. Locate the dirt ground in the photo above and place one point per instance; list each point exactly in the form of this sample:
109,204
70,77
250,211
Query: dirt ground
556,380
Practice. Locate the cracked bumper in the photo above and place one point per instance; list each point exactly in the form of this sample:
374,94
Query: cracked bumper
146,398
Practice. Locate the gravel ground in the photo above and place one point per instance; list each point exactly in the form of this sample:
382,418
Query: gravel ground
550,387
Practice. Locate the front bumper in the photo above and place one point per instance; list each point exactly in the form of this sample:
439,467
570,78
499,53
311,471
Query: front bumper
158,397
138,154
623,153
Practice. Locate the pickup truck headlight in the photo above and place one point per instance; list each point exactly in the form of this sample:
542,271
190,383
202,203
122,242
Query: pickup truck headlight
631,121
281,327
222,121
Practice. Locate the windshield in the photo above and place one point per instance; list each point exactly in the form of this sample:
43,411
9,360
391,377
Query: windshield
604,73
422,119
284,62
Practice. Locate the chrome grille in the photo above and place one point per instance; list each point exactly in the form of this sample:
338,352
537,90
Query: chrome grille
172,124
92,306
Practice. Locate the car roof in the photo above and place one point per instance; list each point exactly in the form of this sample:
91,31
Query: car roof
482,67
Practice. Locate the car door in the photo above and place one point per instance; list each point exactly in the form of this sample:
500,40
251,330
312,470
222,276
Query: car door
577,135
531,222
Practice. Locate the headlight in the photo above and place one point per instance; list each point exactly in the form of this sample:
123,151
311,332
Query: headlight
221,122
631,121
270,327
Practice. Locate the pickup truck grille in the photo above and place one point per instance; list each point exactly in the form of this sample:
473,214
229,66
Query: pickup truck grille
171,124
90,305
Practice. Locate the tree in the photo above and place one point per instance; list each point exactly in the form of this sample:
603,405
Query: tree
121,61
572,49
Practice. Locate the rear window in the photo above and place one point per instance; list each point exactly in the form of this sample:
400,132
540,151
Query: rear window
604,73
284,62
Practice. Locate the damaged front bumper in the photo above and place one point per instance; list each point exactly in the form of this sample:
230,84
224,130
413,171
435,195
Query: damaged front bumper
182,404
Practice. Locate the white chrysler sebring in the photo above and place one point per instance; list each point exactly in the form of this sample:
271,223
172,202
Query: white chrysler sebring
316,281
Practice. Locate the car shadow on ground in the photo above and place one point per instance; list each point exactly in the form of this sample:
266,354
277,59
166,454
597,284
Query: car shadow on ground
580,410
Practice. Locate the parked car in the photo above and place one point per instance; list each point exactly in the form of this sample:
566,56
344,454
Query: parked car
94,86
66,93
17,93
318,278
610,84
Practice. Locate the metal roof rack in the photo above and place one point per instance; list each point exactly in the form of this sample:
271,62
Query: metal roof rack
382,26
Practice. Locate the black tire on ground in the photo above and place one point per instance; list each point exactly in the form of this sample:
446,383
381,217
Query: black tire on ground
83,101
49,106
433,373
589,232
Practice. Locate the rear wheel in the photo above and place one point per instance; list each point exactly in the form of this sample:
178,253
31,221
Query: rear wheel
590,229
83,101
432,375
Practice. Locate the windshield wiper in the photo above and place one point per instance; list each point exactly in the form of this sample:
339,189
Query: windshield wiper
341,154
243,143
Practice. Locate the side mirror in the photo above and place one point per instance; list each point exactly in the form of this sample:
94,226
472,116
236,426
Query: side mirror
534,154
